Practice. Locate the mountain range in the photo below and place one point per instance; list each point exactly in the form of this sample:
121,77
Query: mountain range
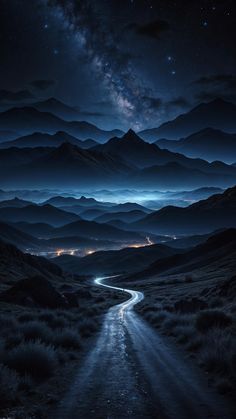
217,114
120,162
38,139
115,261
216,252
217,211
27,120
34,213
209,144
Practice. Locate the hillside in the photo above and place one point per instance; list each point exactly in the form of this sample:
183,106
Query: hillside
217,114
218,211
208,144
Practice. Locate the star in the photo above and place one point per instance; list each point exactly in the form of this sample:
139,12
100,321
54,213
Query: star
169,58
55,51
205,23
173,72
45,26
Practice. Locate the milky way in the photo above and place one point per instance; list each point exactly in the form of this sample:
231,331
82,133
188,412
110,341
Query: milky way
110,63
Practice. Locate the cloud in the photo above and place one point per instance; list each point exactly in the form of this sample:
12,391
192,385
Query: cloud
152,102
207,96
152,29
17,96
42,84
225,80
92,114
215,86
176,103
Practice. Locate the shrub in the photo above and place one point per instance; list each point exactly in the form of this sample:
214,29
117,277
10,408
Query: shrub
36,330
68,339
184,333
87,327
46,316
217,352
208,319
188,278
8,385
195,344
7,323
216,302
156,318
57,323
26,317
13,340
34,359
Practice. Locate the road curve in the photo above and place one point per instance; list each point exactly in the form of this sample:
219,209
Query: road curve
133,372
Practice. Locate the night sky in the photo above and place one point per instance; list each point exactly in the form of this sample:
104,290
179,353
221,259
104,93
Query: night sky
122,63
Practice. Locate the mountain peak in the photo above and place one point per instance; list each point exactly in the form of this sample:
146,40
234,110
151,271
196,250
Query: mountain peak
132,136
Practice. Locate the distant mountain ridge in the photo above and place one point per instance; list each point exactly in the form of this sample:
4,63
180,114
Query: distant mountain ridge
215,212
102,166
27,120
34,213
39,139
217,114
209,144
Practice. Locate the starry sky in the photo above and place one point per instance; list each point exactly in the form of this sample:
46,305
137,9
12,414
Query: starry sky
129,63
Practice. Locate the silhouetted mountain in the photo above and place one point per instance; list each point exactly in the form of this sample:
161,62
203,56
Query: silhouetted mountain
41,167
34,213
8,135
76,242
15,203
138,153
59,201
208,144
46,140
174,175
129,206
28,120
14,157
16,265
197,194
94,230
127,217
80,167
20,239
216,114
119,261
91,213
208,215
38,230
57,108
218,249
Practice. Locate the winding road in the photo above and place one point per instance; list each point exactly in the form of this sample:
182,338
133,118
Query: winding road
133,373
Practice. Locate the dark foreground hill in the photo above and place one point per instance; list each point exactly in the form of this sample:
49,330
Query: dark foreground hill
215,250
218,211
34,213
115,261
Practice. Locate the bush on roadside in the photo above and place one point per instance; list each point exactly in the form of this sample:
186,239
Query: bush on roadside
36,330
34,359
217,352
208,319
9,382
68,339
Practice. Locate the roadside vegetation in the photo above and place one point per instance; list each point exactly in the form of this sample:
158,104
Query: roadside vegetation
41,349
200,318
